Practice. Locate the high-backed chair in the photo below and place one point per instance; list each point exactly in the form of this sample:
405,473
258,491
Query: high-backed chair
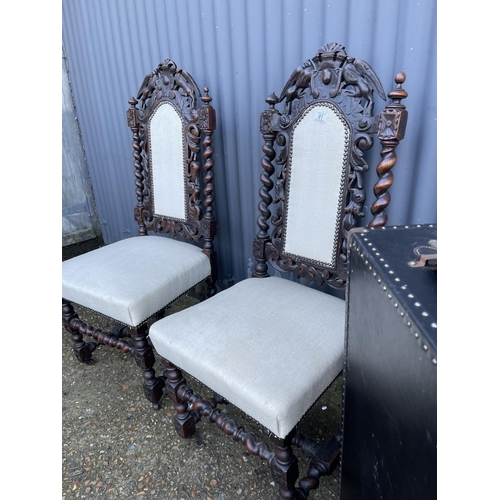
133,280
270,345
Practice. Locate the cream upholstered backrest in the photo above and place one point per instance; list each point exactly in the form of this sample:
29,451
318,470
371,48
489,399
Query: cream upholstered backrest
319,146
167,160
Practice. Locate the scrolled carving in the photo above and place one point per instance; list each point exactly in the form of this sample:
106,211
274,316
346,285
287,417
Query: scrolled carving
193,166
300,269
284,121
190,232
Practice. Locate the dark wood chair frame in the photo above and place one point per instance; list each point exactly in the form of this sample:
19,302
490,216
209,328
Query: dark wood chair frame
348,84
174,85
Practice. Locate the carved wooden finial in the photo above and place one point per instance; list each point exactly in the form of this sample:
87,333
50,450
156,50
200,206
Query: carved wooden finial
399,92
133,101
206,98
272,99
400,78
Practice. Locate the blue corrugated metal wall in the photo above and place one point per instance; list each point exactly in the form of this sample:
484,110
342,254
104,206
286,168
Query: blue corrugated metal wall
243,50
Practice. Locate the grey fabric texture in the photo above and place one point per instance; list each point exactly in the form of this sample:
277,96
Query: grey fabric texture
316,180
268,345
132,279
167,160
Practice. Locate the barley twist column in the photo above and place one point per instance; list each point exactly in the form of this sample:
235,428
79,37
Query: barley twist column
208,124
269,136
391,131
138,167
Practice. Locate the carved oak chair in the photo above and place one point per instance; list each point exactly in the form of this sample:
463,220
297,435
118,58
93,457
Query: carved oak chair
270,345
133,280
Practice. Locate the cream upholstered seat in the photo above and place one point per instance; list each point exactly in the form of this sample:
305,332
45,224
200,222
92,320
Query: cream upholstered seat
225,344
270,345
117,281
132,281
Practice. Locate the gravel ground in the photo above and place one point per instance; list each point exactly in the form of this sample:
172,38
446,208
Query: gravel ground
115,446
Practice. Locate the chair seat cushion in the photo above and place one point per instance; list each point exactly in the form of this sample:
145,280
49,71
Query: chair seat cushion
268,345
134,278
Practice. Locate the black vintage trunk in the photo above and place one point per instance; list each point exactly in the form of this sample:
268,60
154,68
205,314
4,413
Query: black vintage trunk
389,415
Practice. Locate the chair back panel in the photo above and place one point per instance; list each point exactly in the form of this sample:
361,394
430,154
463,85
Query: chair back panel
172,125
167,159
312,182
316,172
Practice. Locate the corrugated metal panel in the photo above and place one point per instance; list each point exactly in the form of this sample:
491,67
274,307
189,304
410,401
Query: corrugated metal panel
79,221
243,50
